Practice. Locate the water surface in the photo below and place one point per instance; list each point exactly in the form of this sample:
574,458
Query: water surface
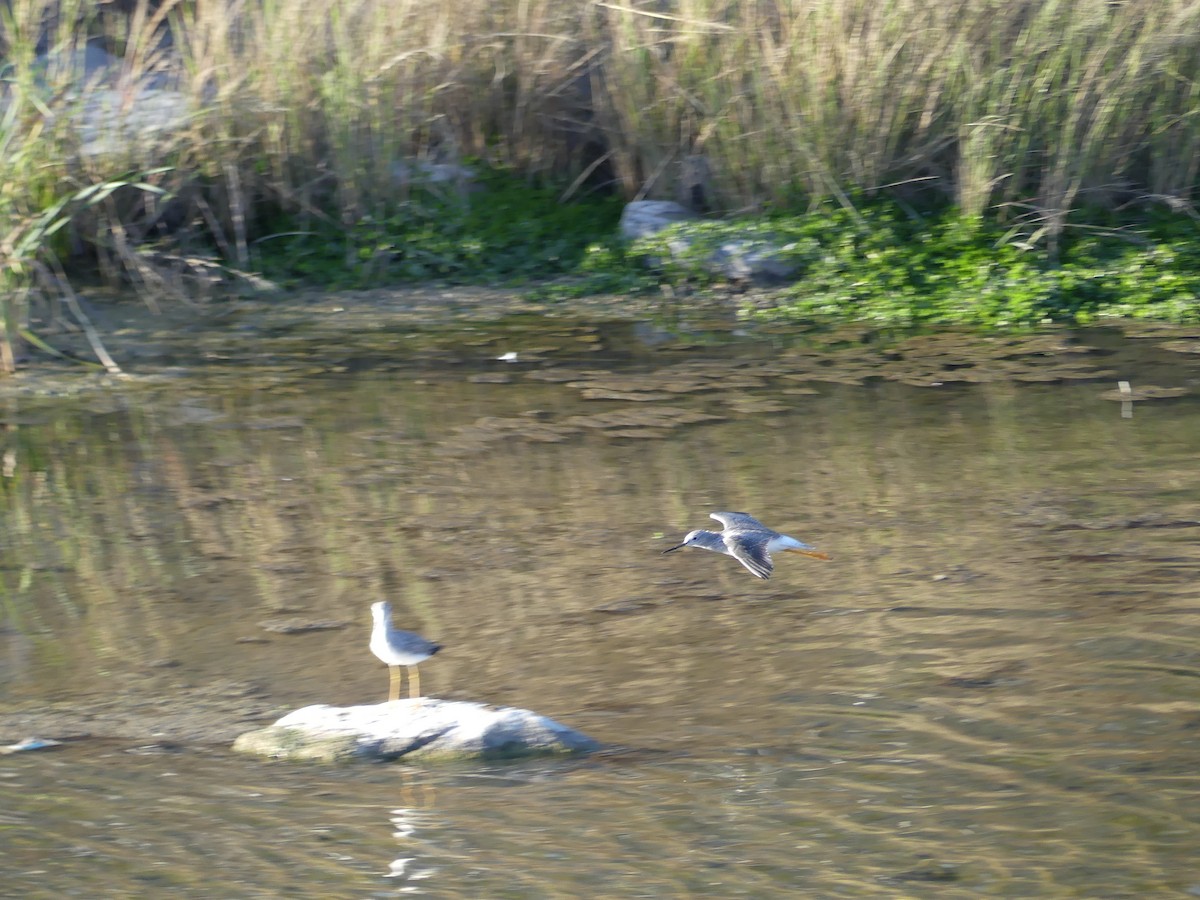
992,690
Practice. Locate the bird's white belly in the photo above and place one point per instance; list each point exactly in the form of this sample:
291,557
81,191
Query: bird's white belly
783,542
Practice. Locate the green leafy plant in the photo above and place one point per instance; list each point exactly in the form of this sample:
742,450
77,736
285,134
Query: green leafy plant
505,230
887,265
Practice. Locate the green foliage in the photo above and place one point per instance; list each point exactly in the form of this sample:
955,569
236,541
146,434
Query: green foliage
877,262
890,266
604,268
505,231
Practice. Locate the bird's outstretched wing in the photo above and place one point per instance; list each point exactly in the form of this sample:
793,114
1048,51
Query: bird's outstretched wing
750,549
738,520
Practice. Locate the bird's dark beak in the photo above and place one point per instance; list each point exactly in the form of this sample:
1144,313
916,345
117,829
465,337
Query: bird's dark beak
675,548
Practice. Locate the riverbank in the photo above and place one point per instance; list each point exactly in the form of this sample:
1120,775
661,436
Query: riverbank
856,288
915,165
493,334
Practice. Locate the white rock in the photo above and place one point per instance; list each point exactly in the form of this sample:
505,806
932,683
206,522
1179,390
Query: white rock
423,172
423,728
112,123
643,218
738,259
752,260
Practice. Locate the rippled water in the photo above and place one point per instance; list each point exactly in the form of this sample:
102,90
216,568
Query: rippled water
992,690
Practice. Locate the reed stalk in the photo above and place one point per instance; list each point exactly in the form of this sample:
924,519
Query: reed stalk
1027,111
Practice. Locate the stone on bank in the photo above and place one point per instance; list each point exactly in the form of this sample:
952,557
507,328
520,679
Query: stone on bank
419,729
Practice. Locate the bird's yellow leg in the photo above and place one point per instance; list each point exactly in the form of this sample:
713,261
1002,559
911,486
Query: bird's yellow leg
414,682
394,686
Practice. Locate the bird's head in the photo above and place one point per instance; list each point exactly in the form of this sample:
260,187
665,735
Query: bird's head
692,537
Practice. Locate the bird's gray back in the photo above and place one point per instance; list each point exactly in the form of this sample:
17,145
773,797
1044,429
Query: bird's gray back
411,642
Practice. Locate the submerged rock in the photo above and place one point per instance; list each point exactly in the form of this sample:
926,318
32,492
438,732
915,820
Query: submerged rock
301,626
424,728
30,743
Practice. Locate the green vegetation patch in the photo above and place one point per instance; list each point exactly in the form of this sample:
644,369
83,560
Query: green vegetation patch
879,262
503,230
887,265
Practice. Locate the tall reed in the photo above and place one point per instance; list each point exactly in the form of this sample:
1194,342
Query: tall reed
301,110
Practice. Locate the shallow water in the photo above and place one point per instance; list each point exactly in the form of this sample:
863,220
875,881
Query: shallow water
993,689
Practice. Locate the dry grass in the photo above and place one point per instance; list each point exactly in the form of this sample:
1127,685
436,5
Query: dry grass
1026,110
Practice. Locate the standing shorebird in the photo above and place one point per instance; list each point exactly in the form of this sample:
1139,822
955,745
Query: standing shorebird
399,648
748,541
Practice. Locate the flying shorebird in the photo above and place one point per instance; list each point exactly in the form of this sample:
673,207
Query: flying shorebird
398,648
748,541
